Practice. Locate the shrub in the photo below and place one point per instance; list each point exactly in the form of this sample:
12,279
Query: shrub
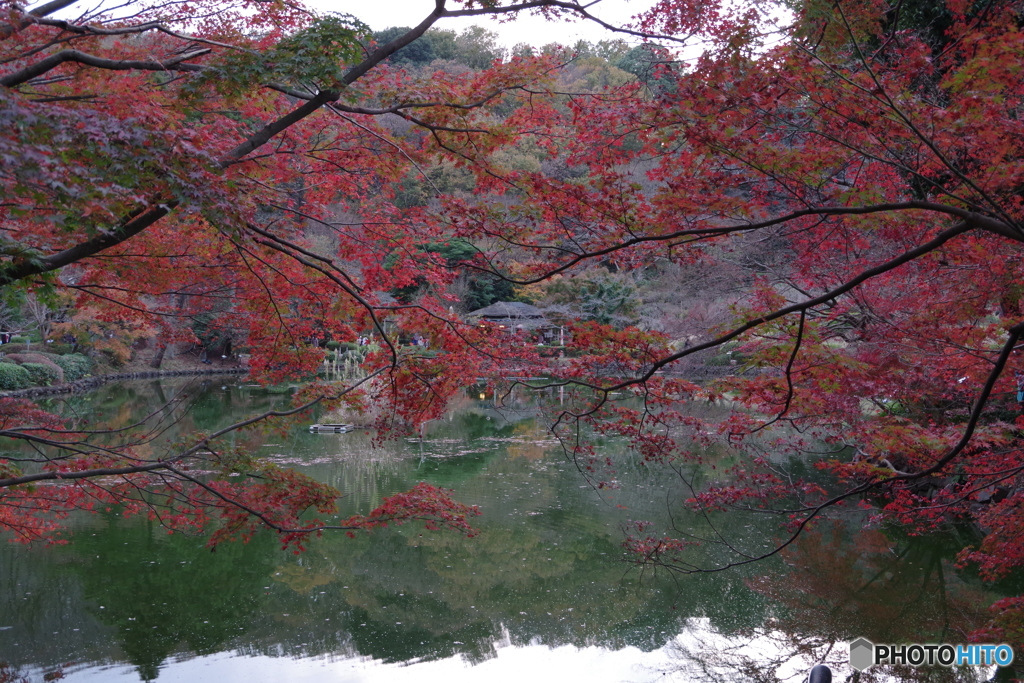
58,348
14,377
18,339
43,375
332,345
75,366
39,359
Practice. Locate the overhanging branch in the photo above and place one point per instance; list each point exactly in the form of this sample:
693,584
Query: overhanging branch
53,61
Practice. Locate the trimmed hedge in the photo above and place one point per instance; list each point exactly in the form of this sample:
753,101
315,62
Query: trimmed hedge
75,366
14,377
39,359
43,375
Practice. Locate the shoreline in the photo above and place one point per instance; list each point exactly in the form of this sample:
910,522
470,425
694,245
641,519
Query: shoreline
90,383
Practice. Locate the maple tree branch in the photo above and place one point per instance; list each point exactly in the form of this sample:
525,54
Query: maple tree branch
234,502
397,108
1015,334
53,61
92,30
83,474
788,372
330,96
28,18
925,140
26,267
976,220
579,10
23,267
287,248
166,463
51,7
337,110
654,367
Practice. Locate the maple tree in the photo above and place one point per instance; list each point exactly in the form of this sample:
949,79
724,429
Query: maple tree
867,173
860,170
162,161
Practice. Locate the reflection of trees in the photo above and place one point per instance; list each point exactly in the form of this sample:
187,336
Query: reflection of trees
167,594
156,412
543,569
841,586
531,441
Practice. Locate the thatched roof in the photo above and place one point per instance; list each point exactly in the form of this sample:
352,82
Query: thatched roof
507,309
512,314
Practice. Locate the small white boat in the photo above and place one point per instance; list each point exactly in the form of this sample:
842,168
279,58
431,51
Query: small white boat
335,428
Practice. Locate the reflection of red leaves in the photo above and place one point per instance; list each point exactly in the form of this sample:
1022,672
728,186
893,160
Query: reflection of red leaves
1002,549
23,414
1006,626
654,550
425,503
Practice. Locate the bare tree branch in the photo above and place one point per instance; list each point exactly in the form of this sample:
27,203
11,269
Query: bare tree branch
55,60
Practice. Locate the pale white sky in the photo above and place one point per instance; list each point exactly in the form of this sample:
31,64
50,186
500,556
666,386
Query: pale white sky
533,30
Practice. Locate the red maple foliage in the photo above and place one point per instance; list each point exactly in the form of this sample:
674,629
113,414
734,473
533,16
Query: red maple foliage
859,170
164,164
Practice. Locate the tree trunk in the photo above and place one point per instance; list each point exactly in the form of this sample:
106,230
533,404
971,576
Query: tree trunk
158,358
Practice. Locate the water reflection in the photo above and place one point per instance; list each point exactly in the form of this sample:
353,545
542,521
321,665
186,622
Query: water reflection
840,585
545,577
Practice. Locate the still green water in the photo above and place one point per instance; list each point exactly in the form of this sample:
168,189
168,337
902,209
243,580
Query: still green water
543,591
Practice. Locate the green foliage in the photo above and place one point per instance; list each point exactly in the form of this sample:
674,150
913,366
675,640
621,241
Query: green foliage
409,192
649,62
592,73
333,345
75,366
19,340
434,44
482,289
453,251
14,377
475,47
485,289
41,375
445,178
316,54
602,298
209,331
59,348
39,359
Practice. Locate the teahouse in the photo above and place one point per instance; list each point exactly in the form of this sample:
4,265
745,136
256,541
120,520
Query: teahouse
519,318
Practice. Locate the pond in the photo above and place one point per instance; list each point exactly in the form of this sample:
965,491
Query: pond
544,590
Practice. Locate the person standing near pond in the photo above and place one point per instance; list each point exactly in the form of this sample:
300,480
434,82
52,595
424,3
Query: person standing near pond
1019,376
